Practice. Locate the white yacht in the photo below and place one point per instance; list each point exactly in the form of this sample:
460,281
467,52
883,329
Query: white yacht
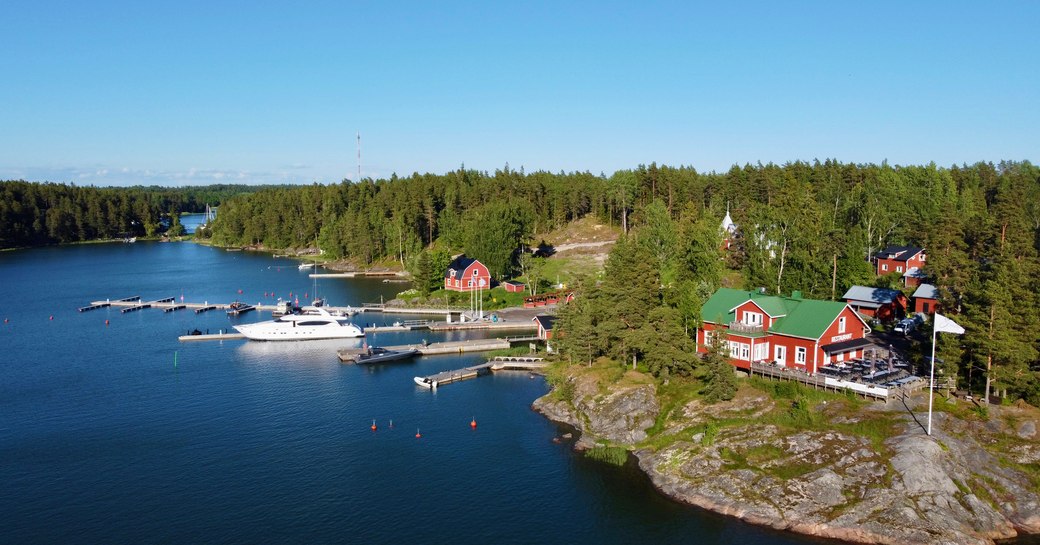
310,323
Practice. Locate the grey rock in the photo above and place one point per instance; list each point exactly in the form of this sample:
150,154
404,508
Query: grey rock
1027,429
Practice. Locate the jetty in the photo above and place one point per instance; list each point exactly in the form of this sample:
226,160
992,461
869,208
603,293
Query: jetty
211,337
501,363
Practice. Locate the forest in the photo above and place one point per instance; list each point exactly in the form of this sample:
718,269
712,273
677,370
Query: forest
808,226
36,214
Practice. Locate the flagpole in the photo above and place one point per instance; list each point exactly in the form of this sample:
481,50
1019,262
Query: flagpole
931,377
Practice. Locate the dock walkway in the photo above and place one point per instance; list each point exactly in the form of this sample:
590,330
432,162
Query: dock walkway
500,363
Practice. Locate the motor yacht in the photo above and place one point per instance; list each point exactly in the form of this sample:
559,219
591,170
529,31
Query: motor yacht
310,323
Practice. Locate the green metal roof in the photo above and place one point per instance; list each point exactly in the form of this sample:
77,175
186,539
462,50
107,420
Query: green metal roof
800,317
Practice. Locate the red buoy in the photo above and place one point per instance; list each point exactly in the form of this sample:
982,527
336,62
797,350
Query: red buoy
106,322
6,320
239,291
373,425
52,316
417,434
473,423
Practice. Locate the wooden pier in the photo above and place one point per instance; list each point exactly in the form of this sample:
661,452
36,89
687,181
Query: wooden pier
502,363
174,307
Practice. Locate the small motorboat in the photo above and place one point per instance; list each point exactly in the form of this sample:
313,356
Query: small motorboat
424,382
238,307
305,266
375,354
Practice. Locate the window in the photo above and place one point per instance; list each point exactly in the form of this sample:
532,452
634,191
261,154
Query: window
884,266
899,268
474,272
927,308
469,284
852,355
707,338
799,355
752,318
761,351
734,349
841,325
451,272
745,351
840,356
780,353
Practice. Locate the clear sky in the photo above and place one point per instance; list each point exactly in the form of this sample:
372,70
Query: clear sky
172,93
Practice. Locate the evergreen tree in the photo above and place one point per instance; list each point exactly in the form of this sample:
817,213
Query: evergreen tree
721,381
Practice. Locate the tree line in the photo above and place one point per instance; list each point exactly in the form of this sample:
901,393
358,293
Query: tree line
35,214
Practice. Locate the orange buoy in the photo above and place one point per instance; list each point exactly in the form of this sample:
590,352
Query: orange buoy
373,425
106,322
473,423
417,434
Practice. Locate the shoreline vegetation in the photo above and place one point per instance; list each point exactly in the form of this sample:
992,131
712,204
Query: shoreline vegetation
643,250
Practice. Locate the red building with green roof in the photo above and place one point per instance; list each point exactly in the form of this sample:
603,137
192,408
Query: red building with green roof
799,333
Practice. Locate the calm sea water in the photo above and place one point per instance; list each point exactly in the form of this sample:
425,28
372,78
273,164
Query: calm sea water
118,433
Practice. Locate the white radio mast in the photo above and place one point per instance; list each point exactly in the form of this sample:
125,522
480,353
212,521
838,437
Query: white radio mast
358,157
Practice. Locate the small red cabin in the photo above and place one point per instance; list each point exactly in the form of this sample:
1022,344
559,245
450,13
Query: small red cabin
881,303
514,287
926,299
545,326
466,274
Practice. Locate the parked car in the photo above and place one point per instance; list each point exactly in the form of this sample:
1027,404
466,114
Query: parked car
905,326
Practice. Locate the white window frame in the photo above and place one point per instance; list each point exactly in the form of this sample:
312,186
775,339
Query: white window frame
840,356
475,271
734,350
752,318
761,352
852,355
799,355
745,352
884,266
841,325
899,268
780,353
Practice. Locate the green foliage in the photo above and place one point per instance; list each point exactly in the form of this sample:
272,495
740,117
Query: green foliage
710,432
612,455
721,381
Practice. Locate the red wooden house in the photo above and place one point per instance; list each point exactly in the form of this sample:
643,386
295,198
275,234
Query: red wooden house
926,299
799,333
901,259
881,303
466,274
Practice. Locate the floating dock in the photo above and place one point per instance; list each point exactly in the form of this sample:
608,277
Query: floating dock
502,363
213,337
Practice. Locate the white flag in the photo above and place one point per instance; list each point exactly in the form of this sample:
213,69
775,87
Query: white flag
946,325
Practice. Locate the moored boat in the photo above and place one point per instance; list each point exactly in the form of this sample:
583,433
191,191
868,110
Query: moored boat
376,354
310,324
238,307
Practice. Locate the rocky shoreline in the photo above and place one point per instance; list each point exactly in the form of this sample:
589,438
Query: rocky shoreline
945,489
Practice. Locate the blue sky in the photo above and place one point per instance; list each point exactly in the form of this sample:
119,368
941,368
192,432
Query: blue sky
174,93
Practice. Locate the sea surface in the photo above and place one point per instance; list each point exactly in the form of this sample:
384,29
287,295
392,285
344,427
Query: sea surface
112,431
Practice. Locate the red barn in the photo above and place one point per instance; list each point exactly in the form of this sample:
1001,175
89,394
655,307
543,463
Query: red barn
901,259
926,299
799,333
881,303
466,274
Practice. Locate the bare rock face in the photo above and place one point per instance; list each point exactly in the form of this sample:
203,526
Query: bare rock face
944,489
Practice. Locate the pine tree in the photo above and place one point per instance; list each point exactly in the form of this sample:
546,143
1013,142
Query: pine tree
721,381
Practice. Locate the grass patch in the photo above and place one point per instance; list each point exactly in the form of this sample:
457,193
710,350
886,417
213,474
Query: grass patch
612,455
786,472
559,379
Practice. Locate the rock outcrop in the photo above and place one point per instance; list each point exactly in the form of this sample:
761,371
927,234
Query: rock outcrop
909,488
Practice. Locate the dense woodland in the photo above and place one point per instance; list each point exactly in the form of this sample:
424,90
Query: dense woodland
35,214
803,226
